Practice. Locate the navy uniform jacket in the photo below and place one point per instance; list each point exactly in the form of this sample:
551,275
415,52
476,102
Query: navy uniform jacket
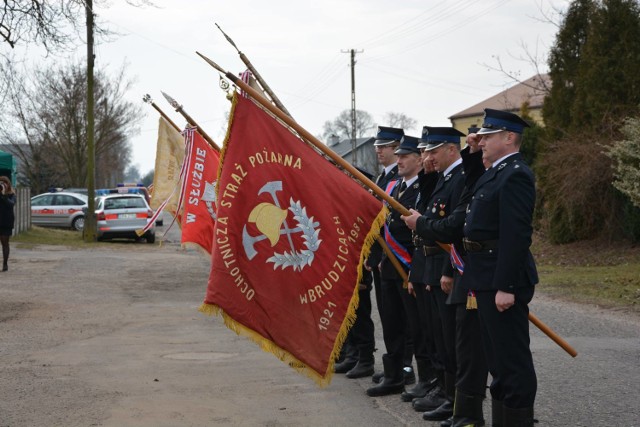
376,251
418,263
398,229
450,228
443,200
501,210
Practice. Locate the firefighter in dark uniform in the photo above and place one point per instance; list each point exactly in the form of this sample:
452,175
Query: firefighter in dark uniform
471,369
500,267
358,363
427,360
399,309
443,147
386,142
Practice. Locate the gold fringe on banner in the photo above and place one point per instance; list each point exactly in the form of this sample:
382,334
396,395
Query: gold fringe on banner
350,316
349,319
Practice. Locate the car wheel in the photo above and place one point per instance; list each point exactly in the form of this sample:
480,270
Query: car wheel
78,223
151,238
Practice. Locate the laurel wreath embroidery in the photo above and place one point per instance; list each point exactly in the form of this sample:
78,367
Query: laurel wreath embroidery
209,198
299,259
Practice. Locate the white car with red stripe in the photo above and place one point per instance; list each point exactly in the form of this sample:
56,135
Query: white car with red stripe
62,209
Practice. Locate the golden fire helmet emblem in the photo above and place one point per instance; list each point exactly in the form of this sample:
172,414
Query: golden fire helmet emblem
268,219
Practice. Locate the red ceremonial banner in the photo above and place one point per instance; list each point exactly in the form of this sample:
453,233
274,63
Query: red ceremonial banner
291,234
198,191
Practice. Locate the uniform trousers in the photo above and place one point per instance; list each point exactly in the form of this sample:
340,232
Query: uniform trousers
445,340
361,335
472,371
505,338
399,319
427,347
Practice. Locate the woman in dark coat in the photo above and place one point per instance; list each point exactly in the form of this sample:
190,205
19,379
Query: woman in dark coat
7,219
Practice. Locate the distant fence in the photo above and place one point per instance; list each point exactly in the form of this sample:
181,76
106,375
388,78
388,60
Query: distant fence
22,210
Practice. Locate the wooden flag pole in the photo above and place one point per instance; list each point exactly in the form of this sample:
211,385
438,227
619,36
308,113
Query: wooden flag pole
361,177
394,260
276,101
310,138
552,335
148,100
259,78
192,122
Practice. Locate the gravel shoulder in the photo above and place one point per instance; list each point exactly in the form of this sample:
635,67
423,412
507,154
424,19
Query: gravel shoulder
111,336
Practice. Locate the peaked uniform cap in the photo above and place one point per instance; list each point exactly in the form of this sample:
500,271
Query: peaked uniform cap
408,145
498,121
387,135
434,137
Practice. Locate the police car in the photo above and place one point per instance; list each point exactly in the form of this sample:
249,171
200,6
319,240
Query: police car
121,215
62,209
129,188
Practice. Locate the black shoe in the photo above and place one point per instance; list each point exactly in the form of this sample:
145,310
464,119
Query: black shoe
447,423
434,399
5,267
385,388
361,370
465,422
377,377
419,390
344,366
441,413
409,375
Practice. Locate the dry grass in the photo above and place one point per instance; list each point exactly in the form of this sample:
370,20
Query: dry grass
49,236
596,272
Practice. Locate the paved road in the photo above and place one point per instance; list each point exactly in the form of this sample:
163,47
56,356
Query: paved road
111,337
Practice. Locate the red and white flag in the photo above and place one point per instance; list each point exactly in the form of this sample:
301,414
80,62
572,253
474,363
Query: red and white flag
291,234
198,196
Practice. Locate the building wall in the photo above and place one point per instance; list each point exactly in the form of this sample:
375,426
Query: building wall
367,158
463,124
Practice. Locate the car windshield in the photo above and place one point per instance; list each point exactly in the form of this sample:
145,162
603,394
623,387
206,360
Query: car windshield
124,203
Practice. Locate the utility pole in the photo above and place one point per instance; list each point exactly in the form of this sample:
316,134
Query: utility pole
354,157
89,232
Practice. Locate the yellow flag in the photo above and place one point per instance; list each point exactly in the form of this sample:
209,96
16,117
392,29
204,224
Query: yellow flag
169,157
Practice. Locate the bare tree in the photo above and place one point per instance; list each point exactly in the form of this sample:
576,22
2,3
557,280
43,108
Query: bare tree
47,126
43,22
399,120
341,125
48,23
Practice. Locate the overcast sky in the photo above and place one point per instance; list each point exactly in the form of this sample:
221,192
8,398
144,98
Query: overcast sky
428,59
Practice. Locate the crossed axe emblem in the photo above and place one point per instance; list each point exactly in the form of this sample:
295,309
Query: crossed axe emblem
271,220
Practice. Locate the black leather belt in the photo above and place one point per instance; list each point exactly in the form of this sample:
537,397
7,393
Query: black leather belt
432,250
485,245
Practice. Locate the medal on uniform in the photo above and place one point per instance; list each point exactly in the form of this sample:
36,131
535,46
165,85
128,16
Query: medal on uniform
472,303
441,213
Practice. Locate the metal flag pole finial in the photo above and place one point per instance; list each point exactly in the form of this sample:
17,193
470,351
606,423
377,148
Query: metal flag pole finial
147,99
227,37
225,86
213,64
171,101
190,120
